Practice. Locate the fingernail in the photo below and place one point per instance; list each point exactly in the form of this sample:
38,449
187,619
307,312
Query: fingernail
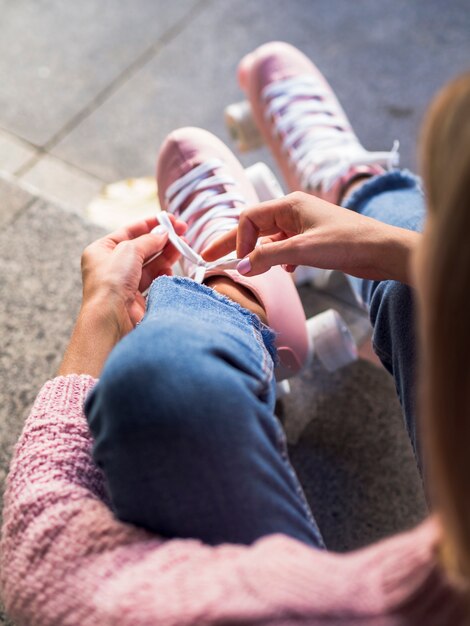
160,230
244,266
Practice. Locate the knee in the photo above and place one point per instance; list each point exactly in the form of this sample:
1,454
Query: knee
165,387
167,411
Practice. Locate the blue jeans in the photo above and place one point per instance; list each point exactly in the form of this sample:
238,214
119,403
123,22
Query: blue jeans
183,415
395,198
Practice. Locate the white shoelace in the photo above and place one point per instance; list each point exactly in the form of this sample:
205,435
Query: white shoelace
315,133
208,205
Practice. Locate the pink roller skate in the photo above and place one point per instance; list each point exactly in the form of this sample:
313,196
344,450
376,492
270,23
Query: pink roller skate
302,122
202,182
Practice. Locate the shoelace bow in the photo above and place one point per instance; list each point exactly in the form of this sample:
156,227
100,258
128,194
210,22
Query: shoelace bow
208,205
313,132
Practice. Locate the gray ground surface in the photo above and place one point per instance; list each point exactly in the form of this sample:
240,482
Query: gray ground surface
87,92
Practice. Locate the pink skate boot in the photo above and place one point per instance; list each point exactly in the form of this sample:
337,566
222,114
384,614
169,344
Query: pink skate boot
303,123
202,182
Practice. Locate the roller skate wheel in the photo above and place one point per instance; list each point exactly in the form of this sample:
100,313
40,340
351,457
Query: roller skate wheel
314,276
333,343
282,388
242,127
264,181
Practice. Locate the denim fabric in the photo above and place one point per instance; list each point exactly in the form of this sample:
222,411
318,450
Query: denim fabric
183,415
395,198
184,426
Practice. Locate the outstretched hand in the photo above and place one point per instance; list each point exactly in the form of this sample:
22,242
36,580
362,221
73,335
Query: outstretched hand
300,229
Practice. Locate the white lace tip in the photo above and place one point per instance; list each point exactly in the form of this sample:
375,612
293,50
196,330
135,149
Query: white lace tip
395,154
199,274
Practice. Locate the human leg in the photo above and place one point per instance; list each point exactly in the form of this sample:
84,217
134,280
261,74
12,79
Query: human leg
201,182
303,123
395,198
183,414
318,152
183,423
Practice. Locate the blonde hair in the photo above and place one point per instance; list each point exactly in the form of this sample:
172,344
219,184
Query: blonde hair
446,319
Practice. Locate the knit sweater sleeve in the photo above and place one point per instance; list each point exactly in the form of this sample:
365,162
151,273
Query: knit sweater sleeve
65,559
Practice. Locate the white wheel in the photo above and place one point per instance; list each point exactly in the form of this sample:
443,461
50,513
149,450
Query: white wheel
264,181
313,276
282,388
332,340
241,126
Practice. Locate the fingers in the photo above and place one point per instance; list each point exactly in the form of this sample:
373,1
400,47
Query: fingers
227,242
221,246
133,231
149,244
142,228
150,250
145,246
247,236
161,264
260,220
276,217
275,237
288,252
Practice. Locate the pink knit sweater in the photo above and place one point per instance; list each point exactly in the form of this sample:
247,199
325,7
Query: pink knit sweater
66,561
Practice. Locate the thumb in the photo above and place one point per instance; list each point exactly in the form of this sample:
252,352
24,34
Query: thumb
264,256
152,243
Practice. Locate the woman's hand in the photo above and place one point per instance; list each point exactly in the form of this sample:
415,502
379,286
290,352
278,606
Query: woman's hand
116,270
301,229
119,267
